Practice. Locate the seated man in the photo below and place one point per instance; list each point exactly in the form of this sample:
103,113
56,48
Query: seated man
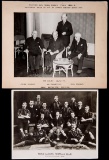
74,135
46,112
71,120
39,136
57,129
23,117
34,45
44,123
55,47
78,50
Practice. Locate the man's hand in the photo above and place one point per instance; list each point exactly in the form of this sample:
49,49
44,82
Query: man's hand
21,116
69,53
63,33
45,125
81,139
57,51
44,50
52,53
26,50
27,116
52,124
41,139
79,56
74,139
83,119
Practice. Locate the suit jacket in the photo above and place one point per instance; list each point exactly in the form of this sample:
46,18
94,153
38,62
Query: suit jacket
81,47
56,45
67,27
34,46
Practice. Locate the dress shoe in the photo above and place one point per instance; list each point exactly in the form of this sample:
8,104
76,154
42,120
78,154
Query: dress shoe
32,72
37,72
50,71
79,71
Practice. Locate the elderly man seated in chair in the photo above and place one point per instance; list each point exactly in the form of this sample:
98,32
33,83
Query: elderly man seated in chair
78,50
34,47
55,50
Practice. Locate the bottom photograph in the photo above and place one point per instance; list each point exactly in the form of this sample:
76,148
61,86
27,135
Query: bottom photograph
48,124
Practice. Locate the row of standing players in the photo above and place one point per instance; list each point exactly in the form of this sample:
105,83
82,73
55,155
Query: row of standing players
70,123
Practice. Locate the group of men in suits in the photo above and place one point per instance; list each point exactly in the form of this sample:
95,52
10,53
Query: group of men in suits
60,41
70,122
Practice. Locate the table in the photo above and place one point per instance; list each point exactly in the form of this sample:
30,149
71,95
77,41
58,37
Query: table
64,65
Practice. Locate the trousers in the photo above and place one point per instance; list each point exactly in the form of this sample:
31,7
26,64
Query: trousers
74,56
34,62
49,59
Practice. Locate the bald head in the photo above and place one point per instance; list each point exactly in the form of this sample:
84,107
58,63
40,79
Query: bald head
64,17
34,34
77,36
55,35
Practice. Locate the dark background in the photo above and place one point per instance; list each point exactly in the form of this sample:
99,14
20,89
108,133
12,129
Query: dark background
5,110
87,97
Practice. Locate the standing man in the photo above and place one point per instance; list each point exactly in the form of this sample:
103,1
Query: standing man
56,106
73,104
32,111
65,30
38,105
78,51
23,117
34,46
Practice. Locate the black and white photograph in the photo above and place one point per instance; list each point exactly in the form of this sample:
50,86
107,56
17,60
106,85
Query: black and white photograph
54,44
54,123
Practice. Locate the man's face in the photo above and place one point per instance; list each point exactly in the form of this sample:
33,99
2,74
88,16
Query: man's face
77,38
87,109
64,18
57,114
42,116
31,103
73,126
34,34
44,105
24,105
56,98
72,114
55,35
66,104
38,97
73,99
38,127
80,104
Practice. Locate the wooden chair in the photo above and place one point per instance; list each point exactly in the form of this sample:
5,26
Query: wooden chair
27,52
18,45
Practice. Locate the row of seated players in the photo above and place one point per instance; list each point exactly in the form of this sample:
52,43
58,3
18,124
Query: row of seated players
57,123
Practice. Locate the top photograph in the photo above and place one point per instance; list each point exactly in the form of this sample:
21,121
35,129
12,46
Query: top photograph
54,44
